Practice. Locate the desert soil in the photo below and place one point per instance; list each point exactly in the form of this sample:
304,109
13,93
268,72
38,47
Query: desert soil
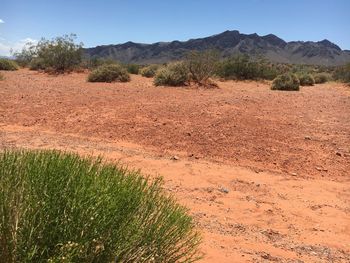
264,173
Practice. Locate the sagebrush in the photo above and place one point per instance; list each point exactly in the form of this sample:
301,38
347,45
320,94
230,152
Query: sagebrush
59,207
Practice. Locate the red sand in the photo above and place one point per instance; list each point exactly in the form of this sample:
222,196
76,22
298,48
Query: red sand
265,173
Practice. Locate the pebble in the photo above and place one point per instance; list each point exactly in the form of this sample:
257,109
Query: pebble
307,138
224,190
175,158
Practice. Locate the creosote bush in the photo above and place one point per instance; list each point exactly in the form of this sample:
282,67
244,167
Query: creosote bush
109,73
306,80
242,67
58,55
174,74
202,65
286,81
6,64
133,68
149,71
322,78
59,207
342,73
37,64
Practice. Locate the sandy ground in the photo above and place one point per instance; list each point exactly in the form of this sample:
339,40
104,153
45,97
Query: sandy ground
264,173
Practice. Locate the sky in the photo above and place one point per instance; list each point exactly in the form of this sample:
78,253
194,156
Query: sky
103,22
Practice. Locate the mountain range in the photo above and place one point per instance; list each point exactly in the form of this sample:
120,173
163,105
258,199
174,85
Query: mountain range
228,43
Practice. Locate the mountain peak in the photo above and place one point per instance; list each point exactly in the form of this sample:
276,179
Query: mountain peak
329,44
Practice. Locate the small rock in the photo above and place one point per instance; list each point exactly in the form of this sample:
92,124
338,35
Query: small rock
307,138
224,190
175,158
338,153
318,168
294,174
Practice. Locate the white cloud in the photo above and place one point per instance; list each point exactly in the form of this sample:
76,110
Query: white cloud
6,46
2,21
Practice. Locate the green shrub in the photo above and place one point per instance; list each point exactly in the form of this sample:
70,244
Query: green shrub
285,82
58,207
306,80
244,68
94,62
322,78
58,55
149,71
26,55
202,65
1,76
37,64
133,68
342,73
109,73
174,74
6,64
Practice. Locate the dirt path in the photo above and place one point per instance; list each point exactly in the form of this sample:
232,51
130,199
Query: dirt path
265,174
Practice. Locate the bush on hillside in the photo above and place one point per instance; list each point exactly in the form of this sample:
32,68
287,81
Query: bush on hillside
58,207
174,74
202,65
306,80
109,73
286,82
322,78
6,64
149,71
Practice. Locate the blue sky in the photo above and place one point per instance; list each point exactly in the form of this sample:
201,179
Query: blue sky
111,22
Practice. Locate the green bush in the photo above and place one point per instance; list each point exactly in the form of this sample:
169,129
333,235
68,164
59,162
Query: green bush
109,73
58,207
26,55
306,80
58,55
37,64
342,73
133,68
174,74
202,65
149,71
94,62
243,68
6,64
322,78
2,77
285,82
